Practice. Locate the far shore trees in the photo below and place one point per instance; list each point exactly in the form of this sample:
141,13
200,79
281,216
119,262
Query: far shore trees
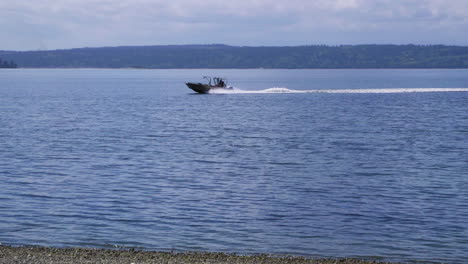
217,56
7,64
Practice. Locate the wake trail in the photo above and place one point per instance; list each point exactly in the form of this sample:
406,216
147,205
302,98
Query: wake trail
339,91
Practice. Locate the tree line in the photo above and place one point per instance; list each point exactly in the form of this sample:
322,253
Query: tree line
224,56
7,64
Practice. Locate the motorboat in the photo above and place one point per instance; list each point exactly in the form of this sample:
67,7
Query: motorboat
214,83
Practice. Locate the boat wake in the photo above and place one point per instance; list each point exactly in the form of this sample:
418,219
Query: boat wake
338,91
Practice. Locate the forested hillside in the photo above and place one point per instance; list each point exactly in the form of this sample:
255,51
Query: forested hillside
222,56
7,64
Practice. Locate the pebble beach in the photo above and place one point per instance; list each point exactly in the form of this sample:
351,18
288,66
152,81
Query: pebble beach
43,255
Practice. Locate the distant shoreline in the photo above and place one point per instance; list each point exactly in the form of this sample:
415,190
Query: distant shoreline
30,254
245,57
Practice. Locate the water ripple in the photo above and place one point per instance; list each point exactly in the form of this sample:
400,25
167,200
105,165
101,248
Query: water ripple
333,173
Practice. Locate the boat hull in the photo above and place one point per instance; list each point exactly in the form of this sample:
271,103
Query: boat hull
203,88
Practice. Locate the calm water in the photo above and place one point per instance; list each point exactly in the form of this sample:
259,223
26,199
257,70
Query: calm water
132,158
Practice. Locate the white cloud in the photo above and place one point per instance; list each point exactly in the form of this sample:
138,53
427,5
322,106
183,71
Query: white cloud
33,24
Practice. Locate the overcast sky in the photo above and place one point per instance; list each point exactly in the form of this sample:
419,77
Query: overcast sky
56,24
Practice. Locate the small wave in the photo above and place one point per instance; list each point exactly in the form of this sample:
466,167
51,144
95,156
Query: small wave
339,91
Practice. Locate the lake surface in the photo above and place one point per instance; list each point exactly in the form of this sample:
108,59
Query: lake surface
320,163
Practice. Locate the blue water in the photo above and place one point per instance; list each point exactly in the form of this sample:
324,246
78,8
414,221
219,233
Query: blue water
320,163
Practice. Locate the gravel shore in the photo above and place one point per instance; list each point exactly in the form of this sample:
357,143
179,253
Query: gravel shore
39,255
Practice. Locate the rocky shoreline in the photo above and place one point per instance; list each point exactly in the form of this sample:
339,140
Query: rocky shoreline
39,255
